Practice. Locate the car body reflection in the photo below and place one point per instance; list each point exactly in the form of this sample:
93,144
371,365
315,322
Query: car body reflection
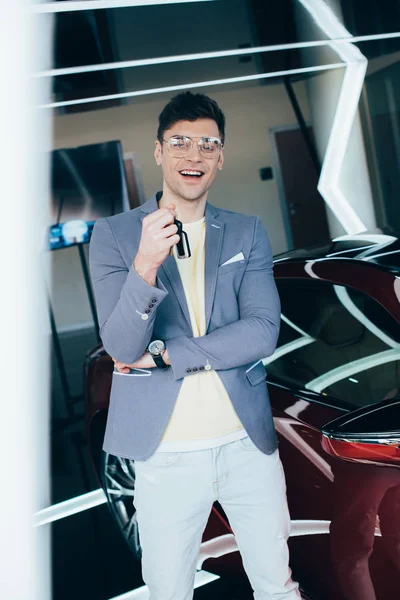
338,357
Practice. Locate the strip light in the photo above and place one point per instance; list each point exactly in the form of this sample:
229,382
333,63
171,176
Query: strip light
293,325
77,5
356,66
69,507
162,60
376,238
213,548
381,254
142,593
348,303
351,250
173,88
287,348
356,366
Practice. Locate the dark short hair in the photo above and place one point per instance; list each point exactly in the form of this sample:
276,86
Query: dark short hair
190,107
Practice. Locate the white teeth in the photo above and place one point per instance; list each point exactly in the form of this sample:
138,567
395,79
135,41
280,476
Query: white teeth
197,173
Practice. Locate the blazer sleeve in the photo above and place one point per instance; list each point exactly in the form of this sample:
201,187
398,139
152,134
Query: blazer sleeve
126,304
253,336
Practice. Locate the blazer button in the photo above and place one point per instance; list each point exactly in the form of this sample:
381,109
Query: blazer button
145,317
201,368
153,300
188,370
147,311
195,369
151,305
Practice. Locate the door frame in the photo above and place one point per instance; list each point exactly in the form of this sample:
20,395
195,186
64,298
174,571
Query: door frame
272,131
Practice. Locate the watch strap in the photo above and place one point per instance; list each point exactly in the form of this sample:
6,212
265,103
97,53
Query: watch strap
158,359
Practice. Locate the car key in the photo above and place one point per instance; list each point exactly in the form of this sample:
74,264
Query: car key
182,247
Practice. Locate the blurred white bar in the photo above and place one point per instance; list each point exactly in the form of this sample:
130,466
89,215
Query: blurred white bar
70,507
217,547
162,60
343,295
288,348
352,368
329,185
24,439
185,86
309,527
73,6
376,238
142,593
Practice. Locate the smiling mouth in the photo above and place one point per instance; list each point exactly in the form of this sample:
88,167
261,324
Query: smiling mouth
191,174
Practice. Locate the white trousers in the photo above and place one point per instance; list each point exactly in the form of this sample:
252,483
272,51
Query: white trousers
174,494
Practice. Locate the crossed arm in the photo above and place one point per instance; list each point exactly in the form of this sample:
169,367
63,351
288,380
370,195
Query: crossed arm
121,296
144,362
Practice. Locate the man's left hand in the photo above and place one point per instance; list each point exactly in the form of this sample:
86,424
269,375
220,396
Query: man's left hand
144,362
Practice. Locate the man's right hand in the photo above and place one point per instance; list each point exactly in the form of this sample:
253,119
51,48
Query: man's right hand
158,237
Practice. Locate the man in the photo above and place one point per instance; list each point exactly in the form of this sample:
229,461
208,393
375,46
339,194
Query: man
189,401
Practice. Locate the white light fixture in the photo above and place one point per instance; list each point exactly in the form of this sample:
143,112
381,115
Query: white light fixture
287,348
69,507
162,60
351,250
293,325
78,5
185,86
356,66
356,366
381,254
142,593
376,238
343,296
216,547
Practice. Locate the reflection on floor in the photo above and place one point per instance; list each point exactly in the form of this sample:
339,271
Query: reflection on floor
90,559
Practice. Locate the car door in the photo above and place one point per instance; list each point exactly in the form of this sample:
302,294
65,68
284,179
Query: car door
338,350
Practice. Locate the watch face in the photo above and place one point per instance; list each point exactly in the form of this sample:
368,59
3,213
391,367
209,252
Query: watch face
156,347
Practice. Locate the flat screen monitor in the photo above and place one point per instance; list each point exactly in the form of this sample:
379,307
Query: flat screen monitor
88,182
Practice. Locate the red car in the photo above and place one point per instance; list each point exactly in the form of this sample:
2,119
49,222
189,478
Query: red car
334,383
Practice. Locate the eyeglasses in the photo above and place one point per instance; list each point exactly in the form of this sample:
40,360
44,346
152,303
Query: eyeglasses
180,145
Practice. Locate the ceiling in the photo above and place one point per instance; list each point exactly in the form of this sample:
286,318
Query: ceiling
101,36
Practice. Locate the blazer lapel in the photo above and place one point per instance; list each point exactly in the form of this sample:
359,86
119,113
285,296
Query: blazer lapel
170,269
169,274
214,237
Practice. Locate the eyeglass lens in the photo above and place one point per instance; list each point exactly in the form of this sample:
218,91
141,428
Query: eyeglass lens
181,145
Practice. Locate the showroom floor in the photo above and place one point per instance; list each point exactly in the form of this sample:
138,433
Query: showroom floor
90,558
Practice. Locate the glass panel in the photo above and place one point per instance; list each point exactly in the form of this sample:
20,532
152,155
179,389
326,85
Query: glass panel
380,113
352,350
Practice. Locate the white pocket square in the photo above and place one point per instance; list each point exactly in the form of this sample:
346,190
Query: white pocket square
233,259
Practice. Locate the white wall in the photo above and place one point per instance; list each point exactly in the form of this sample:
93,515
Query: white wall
250,113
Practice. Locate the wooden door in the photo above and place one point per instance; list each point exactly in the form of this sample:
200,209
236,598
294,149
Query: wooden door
305,207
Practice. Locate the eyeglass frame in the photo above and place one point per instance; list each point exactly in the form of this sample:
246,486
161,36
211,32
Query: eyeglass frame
195,139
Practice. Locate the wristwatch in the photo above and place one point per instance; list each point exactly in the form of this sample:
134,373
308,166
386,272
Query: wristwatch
156,348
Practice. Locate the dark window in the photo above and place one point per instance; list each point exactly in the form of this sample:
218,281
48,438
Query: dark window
337,341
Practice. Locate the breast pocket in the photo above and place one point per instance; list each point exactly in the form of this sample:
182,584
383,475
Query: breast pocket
235,266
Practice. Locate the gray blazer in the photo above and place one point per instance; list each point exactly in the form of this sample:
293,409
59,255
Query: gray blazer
242,325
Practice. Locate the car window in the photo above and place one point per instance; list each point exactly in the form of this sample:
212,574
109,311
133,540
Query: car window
336,340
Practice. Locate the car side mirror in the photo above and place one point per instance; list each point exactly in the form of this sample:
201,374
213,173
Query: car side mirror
367,435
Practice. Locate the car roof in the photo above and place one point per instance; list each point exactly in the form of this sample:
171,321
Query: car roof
377,248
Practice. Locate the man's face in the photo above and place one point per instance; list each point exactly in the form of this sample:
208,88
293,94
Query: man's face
191,176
